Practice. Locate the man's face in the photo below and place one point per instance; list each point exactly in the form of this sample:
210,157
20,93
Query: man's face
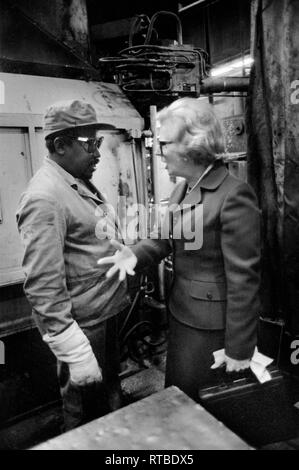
80,158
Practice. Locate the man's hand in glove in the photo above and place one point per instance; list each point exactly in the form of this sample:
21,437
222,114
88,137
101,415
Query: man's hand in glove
85,372
73,347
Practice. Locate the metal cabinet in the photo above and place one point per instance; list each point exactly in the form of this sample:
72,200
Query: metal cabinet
18,160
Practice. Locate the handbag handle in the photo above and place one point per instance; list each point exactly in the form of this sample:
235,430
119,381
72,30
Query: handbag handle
226,379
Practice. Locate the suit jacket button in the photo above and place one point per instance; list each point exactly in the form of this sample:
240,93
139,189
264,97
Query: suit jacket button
209,295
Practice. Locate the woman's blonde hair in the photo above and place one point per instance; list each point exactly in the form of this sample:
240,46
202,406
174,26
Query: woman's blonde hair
199,128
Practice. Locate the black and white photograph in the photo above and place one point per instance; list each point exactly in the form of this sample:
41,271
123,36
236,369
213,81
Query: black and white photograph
149,228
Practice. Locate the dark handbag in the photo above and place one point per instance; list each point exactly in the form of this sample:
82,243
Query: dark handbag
259,413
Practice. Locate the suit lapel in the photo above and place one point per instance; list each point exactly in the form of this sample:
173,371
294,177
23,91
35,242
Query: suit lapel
184,203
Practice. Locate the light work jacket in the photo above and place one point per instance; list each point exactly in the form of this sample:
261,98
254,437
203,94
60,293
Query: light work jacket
61,223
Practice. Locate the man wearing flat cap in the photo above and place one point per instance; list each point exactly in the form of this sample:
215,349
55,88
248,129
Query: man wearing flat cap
75,306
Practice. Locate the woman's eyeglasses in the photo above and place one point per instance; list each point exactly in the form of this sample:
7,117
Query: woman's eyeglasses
162,144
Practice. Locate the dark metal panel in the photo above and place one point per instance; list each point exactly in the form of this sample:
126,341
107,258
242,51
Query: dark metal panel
28,378
25,39
229,29
45,70
102,12
15,311
194,27
112,29
65,19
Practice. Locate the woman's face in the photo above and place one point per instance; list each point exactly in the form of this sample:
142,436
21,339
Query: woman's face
172,149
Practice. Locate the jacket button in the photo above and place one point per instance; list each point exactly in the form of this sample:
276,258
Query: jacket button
209,295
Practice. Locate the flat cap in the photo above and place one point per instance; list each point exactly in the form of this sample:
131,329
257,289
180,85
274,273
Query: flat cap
69,114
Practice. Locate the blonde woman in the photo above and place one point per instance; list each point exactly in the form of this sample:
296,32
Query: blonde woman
214,301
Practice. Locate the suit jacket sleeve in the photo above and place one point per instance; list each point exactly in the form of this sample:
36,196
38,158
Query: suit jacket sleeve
240,241
157,247
42,228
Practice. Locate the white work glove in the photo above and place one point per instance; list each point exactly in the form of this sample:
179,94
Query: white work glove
124,261
85,372
73,347
233,365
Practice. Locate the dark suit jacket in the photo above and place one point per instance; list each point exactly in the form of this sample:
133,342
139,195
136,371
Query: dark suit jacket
216,285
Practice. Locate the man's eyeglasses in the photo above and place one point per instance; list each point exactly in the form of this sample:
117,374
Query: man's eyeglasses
162,144
89,145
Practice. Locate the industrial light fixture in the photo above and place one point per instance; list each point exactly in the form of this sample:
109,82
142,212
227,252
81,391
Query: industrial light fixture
232,67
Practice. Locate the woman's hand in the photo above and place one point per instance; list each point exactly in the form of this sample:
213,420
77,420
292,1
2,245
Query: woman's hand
233,365
123,261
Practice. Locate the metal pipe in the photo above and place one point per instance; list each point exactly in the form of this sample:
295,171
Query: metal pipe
167,13
156,189
220,84
155,163
191,5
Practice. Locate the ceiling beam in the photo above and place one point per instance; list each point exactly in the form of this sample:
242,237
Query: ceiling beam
112,29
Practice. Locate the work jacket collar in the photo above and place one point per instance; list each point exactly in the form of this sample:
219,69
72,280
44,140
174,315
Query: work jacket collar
85,189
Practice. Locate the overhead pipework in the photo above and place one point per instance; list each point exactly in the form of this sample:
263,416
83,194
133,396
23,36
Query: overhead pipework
172,69
221,84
